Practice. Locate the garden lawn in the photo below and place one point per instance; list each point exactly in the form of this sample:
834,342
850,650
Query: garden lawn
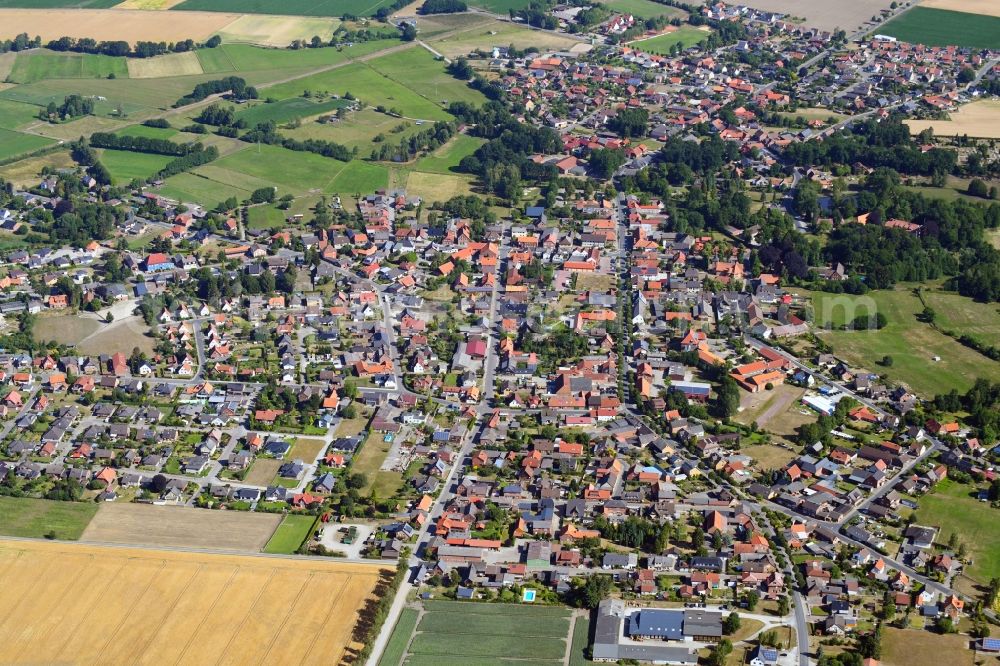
36,518
951,508
445,159
40,65
395,649
941,27
291,532
16,143
911,344
126,166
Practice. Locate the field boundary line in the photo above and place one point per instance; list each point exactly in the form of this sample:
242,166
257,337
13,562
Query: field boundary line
173,606
329,618
72,632
250,607
288,614
569,640
135,602
208,612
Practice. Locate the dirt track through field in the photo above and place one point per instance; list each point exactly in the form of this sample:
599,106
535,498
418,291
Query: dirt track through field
84,604
175,526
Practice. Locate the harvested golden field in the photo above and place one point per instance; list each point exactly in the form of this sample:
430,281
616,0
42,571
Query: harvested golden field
277,30
180,527
112,24
982,7
74,603
437,187
978,119
173,64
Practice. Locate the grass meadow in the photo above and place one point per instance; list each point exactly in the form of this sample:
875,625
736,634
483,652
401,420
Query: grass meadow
41,65
13,144
941,27
686,36
126,166
35,518
287,110
644,8
911,343
445,159
951,507
291,532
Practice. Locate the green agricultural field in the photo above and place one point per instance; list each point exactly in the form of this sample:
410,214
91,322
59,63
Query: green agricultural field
291,532
286,7
500,6
445,159
57,4
964,316
445,660
940,27
396,647
686,36
41,65
487,645
951,507
581,640
518,610
132,95
194,188
15,114
37,518
290,171
644,8
17,143
287,110
357,130
911,344
126,166
359,177
367,85
418,70
507,625
148,132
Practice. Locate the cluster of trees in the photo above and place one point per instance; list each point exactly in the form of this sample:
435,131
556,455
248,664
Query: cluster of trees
220,116
875,144
267,132
502,163
442,7
79,224
629,122
604,162
427,139
210,287
86,156
122,48
982,402
71,107
537,15
232,84
561,346
187,162
20,43
819,431
460,69
142,144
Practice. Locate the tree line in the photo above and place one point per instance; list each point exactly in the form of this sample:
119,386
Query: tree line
121,48
232,84
142,144
267,132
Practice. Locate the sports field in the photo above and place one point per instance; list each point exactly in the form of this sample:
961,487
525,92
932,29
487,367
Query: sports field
911,343
455,633
291,7
980,119
88,604
686,36
183,527
941,27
